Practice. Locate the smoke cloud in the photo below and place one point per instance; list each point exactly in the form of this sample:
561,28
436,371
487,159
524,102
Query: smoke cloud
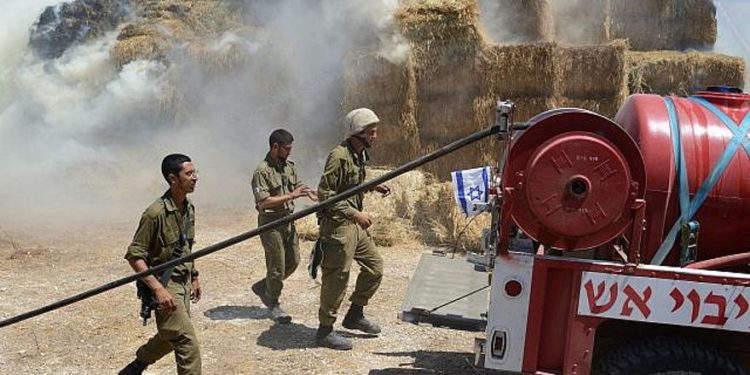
81,140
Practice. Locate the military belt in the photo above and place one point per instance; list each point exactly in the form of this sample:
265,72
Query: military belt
179,277
274,214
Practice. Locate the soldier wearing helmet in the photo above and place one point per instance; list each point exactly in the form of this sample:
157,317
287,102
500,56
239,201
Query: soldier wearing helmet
343,233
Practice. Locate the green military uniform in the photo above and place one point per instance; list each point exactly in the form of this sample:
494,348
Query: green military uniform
157,236
281,244
342,238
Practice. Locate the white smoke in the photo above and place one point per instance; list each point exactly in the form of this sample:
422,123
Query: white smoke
82,141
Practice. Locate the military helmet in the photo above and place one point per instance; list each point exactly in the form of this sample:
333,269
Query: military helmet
357,120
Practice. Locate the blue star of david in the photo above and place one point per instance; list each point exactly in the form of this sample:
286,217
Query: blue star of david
475,193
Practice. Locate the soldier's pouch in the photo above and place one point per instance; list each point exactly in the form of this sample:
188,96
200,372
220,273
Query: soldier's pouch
336,234
274,186
338,248
168,238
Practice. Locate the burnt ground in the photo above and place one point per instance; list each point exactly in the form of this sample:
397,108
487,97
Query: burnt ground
100,335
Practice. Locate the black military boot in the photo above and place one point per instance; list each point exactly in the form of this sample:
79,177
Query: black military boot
259,289
355,319
133,368
280,316
326,337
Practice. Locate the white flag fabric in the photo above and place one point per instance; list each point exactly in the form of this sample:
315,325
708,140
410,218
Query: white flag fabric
470,189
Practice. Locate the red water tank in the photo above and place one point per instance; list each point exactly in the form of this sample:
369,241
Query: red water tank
704,138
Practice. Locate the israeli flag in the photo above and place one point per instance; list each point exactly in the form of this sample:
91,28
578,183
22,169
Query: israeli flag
470,189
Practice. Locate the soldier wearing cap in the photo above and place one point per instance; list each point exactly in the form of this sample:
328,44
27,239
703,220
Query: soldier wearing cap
343,233
276,184
166,229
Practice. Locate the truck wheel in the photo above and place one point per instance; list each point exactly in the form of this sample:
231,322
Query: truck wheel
666,356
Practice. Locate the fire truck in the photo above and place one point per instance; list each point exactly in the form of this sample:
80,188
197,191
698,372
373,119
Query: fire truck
616,247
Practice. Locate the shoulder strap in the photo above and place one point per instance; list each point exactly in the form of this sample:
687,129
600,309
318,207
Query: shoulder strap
177,251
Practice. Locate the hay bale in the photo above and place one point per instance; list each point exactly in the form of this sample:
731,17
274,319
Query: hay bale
526,70
664,24
407,189
697,23
445,118
440,22
675,73
446,73
372,79
445,89
581,22
392,215
517,21
592,71
139,47
482,115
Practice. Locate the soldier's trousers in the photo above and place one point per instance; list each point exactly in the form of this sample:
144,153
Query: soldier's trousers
281,246
175,333
343,244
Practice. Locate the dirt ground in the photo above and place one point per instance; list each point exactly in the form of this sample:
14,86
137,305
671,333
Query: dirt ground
101,334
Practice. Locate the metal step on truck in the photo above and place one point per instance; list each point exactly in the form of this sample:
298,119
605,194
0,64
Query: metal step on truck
616,247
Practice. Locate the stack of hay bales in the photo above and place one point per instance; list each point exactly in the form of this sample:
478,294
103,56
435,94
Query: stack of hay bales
656,30
445,39
677,73
419,209
449,86
542,76
664,24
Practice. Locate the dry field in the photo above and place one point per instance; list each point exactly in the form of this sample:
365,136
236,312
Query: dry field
100,335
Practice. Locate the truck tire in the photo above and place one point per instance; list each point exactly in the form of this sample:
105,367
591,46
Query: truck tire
666,356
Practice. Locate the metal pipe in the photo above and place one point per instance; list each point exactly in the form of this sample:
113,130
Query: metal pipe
252,233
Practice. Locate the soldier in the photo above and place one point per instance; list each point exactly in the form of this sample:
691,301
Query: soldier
167,226
276,184
343,233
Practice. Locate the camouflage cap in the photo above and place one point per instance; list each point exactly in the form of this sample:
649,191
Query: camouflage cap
357,120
